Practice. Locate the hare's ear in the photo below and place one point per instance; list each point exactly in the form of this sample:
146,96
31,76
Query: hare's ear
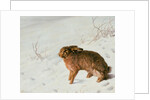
80,49
73,46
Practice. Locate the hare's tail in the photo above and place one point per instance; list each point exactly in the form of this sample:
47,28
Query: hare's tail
109,69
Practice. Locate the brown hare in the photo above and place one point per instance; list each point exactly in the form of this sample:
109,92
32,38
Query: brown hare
76,59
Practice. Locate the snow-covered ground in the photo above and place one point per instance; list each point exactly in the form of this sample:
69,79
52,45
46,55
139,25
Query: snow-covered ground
48,73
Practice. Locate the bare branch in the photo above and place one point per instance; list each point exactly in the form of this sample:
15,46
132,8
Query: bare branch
103,30
35,49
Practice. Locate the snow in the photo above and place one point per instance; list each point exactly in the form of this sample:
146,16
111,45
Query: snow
49,74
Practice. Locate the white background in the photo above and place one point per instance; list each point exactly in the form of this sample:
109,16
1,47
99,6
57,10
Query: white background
140,85
124,46
4,4
141,27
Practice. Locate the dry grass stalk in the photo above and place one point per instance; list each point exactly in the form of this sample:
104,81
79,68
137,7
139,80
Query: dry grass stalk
35,49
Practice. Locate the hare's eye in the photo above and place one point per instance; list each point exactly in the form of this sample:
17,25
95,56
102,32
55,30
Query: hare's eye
65,50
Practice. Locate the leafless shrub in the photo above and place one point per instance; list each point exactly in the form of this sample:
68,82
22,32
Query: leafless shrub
103,30
38,54
35,49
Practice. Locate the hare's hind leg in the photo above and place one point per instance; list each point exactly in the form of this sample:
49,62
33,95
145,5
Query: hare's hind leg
101,77
89,75
99,74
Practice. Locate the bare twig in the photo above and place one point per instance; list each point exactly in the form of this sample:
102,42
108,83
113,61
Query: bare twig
35,49
103,30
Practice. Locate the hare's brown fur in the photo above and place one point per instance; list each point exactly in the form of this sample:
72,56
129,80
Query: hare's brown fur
76,59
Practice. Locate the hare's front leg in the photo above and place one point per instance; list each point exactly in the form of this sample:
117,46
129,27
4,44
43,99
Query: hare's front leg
70,74
73,76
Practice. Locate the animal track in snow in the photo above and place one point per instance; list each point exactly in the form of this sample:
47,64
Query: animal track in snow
98,91
103,47
43,84
113,50
55,90
107,55
105,84
32,78
22,73
110,88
